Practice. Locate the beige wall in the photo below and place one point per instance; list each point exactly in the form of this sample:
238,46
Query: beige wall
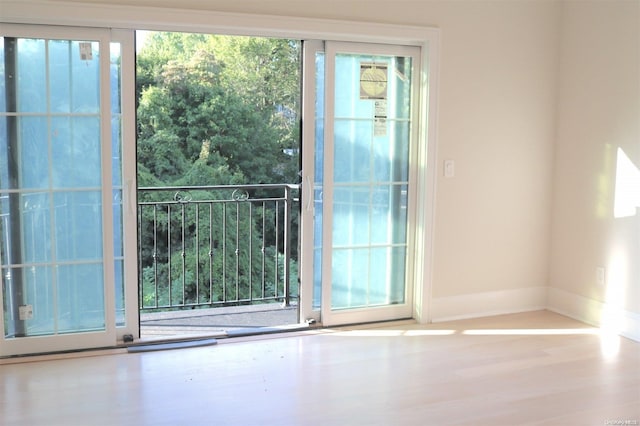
497,100
599,112
521,83
496,120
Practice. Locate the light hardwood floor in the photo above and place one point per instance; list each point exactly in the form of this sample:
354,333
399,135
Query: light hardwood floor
533,368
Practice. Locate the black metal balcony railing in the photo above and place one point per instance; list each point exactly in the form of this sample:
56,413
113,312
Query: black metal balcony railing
216,245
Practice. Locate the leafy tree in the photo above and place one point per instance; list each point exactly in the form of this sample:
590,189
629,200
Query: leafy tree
266,73
194,101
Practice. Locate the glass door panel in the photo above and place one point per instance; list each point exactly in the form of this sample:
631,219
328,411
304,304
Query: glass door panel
367,184
55,193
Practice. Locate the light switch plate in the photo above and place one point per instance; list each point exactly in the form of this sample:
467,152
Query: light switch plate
449,169
600,275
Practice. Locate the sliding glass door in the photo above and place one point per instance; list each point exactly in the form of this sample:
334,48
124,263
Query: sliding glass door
61,190
363,181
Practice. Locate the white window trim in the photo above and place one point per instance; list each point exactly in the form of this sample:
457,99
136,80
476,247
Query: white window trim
165,19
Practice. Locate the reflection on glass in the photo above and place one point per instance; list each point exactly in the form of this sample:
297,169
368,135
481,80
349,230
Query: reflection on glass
75,151
80,298
50,187
118,190
318,178
371,164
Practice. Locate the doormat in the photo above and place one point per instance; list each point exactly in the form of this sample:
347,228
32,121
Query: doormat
171,345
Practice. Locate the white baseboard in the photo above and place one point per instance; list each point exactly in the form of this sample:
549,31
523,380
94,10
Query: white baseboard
590,311
487,304
593,312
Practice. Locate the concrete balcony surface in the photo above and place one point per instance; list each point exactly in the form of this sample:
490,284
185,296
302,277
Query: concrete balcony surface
220,321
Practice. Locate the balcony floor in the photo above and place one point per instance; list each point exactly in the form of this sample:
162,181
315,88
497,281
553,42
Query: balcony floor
215,321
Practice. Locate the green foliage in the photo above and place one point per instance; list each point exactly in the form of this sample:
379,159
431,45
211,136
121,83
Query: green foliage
236,96
213,110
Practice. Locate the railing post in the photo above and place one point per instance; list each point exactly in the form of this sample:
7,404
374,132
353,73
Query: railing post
287,245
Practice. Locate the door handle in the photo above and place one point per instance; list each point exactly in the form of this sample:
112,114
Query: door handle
309,206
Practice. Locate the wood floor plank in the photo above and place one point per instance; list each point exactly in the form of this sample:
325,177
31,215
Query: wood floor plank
535,368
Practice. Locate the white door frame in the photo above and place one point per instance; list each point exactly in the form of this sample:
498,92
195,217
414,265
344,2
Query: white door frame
128,155
166,19
111,333
326,315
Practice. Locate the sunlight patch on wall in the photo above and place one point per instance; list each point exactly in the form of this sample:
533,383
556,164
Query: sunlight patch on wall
612,320
627,192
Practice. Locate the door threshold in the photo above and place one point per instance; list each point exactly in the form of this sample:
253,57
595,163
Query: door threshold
253,331
171,345
225,334
173,339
